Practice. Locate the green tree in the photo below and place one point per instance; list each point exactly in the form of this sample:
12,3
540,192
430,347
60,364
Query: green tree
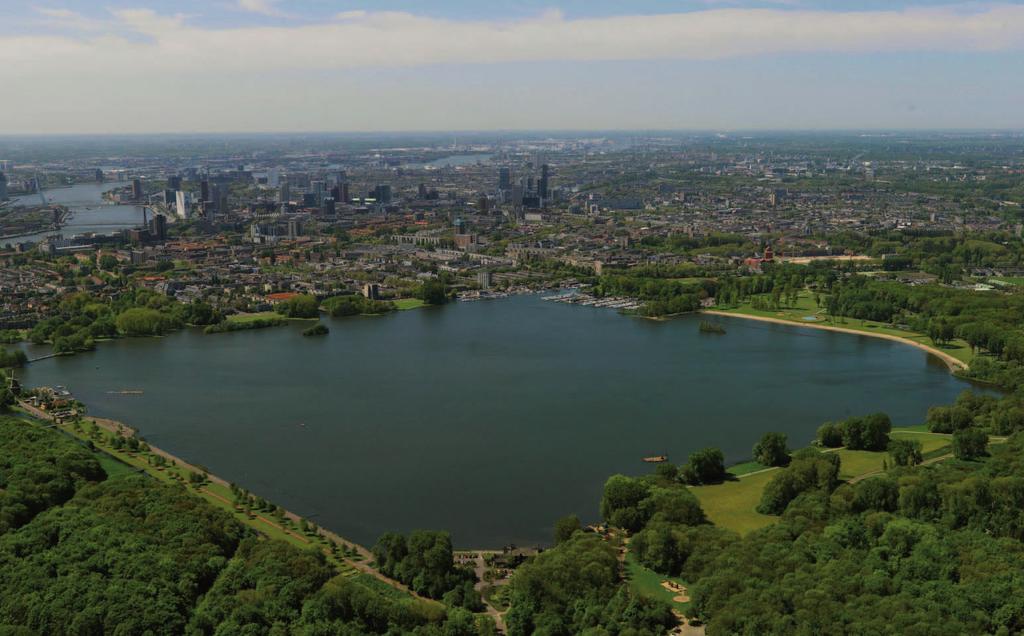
905,452
969,443
566,527
706,466
772,450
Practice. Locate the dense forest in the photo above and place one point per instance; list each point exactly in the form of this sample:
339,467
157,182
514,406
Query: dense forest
81,553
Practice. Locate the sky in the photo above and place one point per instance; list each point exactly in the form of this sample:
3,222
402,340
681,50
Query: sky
138,66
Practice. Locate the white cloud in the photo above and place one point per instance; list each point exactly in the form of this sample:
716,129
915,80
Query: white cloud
180,68
393,39
263,7
67,19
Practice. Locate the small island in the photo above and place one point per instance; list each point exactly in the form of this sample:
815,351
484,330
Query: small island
319,329
707,326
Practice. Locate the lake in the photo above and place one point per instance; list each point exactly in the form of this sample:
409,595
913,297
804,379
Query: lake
90,212
490,419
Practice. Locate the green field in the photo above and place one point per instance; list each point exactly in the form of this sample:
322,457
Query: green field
647,582
404,304
263,315
806,308
732,504
1009,280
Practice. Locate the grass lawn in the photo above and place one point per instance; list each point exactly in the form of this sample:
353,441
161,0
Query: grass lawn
732,504
1009,280
929,441
745,468
263,315
805,308
647,582
408,303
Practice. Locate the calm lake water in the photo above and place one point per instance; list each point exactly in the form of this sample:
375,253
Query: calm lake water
91,212
490,419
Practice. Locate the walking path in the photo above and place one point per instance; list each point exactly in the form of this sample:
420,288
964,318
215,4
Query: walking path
113,426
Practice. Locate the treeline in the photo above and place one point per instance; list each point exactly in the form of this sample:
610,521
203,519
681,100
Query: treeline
81,319
425,562
338,306
227,326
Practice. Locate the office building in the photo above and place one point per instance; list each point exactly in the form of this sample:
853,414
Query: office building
543,184
204,190
504,178
158,227
484,280
382,193
284,194
98,175
181,204
137,193
3,187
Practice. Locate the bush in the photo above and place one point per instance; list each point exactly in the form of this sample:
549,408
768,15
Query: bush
318,329
905,452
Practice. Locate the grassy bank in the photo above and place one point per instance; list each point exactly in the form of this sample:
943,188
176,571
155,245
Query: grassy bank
806,313
405,304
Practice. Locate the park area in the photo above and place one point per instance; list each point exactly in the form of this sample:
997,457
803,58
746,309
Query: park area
806,312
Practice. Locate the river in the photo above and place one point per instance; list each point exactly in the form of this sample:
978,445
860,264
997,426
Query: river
90,212
490,419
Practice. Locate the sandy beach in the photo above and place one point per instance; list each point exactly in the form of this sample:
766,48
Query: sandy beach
954,364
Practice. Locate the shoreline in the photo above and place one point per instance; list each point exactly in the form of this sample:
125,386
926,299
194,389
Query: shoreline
953,363
119,428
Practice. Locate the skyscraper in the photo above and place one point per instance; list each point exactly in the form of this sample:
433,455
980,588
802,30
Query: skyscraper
137,193
204,190
180,204
158,226
284,194
504,178
3,187
542,185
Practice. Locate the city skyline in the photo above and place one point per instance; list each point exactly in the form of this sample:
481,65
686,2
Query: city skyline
262,66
